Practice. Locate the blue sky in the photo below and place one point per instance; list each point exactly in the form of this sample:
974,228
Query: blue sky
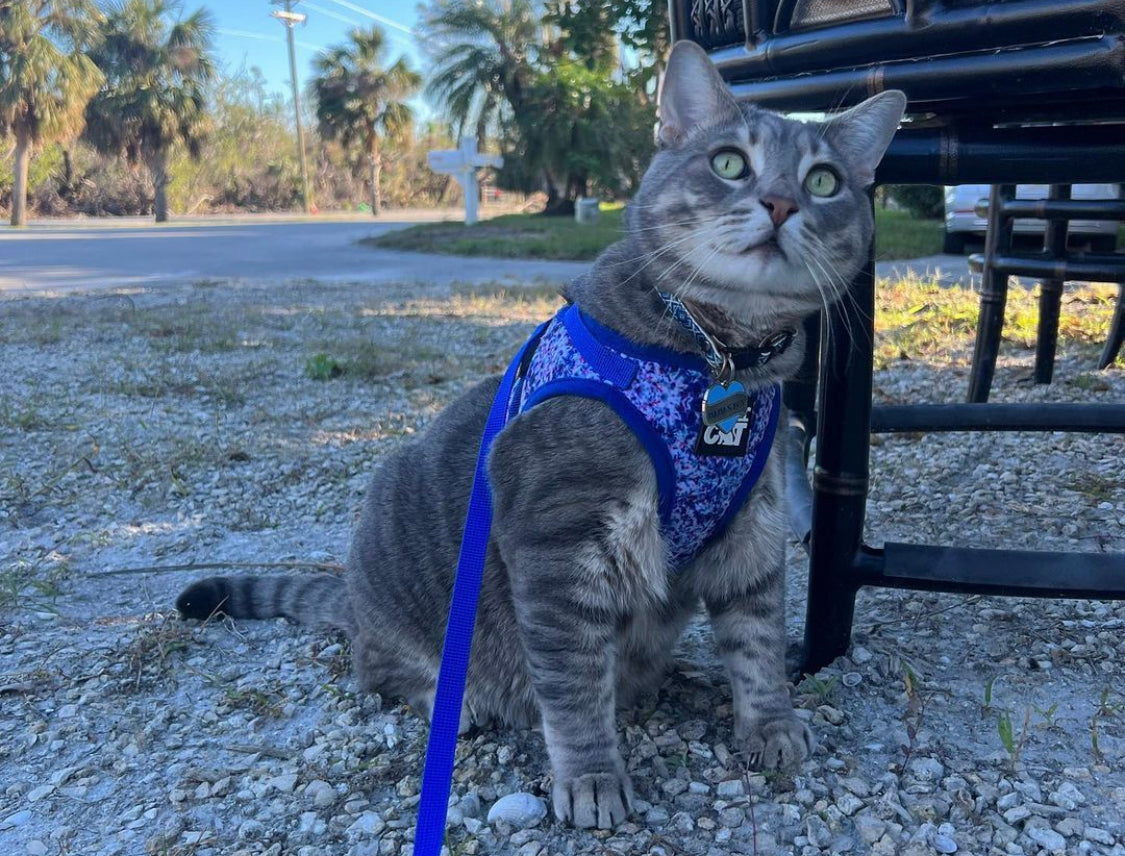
249,36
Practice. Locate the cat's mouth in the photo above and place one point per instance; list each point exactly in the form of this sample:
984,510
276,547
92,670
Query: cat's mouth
768,247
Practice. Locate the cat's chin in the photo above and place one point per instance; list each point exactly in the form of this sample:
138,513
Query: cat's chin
764,250
761,275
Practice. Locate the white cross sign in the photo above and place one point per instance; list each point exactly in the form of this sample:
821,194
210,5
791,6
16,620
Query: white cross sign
462,163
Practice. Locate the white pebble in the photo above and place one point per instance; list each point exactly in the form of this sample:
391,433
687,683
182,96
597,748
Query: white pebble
16,820
519,809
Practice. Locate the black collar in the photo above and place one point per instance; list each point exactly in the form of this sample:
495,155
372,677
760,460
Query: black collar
756,356
719,357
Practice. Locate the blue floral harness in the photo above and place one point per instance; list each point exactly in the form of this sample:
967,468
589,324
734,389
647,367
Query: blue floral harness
703,474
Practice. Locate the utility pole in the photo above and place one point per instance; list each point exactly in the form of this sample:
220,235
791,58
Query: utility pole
290,19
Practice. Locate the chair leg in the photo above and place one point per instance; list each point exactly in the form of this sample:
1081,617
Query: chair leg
1050,296
993,296
841,478
1116,332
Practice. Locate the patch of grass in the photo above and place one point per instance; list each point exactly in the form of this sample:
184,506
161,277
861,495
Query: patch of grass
919,319
1096,487
322,367
150,653
33,585
513,236
813,691
413,362
21,417
900,236
259,702
532,236
1013,742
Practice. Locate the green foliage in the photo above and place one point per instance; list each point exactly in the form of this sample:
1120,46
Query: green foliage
251,162
582,131
511,236
322,367
483,60
900,236
46,79
925,201
570,120
157,70
1013,742
360,99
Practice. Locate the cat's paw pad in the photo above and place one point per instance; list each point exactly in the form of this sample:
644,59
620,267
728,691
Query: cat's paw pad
600,800
774,744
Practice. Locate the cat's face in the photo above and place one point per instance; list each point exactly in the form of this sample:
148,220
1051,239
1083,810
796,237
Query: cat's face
756,214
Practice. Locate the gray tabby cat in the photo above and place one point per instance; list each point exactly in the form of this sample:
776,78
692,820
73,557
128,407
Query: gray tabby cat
755,221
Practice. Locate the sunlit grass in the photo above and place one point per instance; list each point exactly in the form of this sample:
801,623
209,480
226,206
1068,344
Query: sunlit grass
919,319
532,236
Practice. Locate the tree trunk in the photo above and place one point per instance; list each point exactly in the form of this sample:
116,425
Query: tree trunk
66,189
552,195
376,170
158,167
19,180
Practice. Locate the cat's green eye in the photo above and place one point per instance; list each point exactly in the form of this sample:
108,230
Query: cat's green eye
822,181
730,164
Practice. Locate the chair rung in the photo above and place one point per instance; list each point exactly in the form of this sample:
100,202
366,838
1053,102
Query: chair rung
1004,572
1059,209
1089,267
1077,418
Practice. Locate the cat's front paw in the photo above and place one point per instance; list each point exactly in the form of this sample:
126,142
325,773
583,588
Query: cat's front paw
773,744
595,799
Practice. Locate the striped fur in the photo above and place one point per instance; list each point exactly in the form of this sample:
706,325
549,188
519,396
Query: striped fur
578,613
318,600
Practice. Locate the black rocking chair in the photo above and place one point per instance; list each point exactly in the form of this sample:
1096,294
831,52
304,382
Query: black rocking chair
1023,91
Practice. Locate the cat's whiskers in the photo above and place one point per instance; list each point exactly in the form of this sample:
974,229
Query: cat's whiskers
657,253
839,284
806,260
684,289
812,257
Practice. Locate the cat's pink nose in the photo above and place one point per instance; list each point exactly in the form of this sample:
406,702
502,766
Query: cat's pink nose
780,208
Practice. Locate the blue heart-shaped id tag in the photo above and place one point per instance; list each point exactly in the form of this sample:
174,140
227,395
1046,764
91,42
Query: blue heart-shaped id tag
725,405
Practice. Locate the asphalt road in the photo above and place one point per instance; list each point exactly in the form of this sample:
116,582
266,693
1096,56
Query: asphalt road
69,256
65,256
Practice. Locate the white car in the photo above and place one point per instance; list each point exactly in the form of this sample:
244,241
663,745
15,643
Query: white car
963,224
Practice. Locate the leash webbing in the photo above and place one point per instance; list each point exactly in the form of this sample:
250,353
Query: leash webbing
437,776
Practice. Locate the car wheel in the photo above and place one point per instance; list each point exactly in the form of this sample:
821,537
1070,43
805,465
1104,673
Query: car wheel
1103,243
953,243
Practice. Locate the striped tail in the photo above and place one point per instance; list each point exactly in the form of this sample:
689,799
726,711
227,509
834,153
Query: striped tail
318,599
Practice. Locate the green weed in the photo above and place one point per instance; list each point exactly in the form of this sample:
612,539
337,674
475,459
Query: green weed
322,367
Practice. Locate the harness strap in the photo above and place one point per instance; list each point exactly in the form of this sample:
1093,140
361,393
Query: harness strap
437,776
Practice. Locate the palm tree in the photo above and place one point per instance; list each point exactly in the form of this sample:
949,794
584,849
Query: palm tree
45,79
359,98
482,59
156,73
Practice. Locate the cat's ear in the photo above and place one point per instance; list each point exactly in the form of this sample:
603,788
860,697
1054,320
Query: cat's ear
863,133
691,93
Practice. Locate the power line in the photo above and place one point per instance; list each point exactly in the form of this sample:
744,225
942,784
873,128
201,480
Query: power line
382,19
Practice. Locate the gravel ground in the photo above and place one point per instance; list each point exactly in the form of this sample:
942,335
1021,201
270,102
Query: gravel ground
224,422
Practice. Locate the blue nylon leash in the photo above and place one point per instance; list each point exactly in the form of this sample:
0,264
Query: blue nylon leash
437,776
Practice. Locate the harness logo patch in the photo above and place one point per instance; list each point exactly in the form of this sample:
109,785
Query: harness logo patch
714,441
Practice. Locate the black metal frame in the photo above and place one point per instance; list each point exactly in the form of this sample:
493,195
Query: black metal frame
1052,265
839,561
1030,56
997,64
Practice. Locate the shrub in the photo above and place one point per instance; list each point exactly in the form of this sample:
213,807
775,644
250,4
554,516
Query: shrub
925,201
